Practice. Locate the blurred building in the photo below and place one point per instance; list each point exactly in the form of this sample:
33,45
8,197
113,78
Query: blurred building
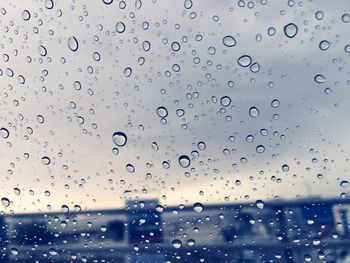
145,231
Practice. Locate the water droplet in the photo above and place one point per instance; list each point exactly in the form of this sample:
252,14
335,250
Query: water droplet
253,112
201,146
229,41
285,168
107,2
290,30
155,146
319,15
138,4
45,160
53,252
65,208
127,72
120,27
146,45
319,78
14,251
225,101
345,18
259,204
198,208
188,4
184,161
255,67
5,202
307,258
130,168
49,4
244,61
191,242
176,243
119,139
42,51
162,112
275,103
344,183
17,191
4,133
26,15
73,43
324,45
175,46
260,149
77,208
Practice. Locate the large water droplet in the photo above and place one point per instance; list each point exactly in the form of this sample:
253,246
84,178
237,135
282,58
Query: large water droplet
253,112
14,251
49,4
259,204
285,168
198,207
73,43
119,138
176,243
290,30
225,101
260,149
120,27
184,161
324,45
5,201
319,78
45,160
42,51
4,133
130,168
162,112
229,41
26,15
344,183
244,61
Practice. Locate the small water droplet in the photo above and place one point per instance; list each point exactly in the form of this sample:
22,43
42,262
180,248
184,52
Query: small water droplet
73,43
290,30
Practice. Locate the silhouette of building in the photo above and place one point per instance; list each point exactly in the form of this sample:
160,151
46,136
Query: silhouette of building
144,231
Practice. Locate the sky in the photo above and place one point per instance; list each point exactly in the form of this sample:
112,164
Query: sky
269,102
